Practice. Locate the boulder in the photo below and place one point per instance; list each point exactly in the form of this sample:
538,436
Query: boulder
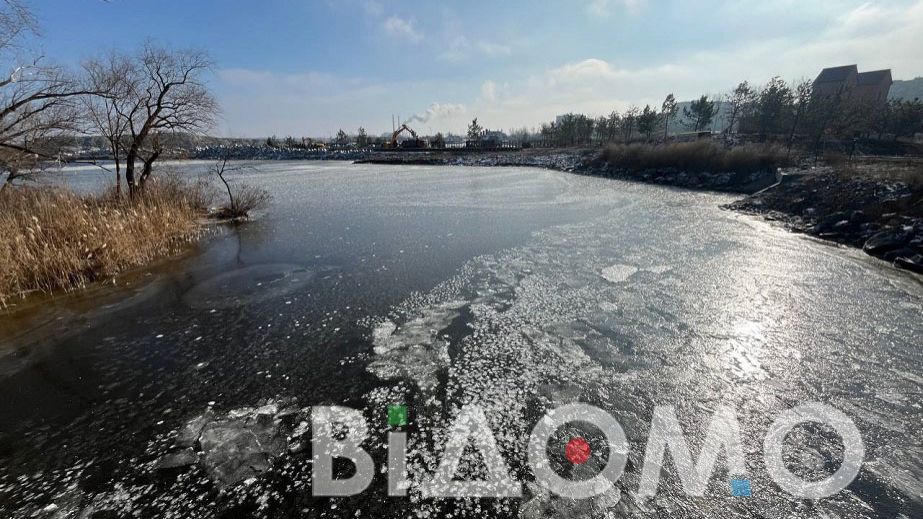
827,223
842,225
885,241
858,217
903,252
913,263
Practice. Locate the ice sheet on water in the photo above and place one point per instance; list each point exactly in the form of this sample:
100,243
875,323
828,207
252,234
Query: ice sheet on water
581,313
521,348
249,285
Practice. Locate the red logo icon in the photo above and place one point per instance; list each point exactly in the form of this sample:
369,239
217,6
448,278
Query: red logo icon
577,451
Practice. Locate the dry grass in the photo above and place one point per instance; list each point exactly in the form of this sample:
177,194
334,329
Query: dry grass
694,157
908,173
52,239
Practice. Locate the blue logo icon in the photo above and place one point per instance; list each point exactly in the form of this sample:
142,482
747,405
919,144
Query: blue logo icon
740,487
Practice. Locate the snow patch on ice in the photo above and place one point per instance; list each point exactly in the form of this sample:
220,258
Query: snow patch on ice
618,273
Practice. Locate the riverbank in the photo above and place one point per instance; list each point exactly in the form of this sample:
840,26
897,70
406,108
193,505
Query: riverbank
52,239
598,163
881,214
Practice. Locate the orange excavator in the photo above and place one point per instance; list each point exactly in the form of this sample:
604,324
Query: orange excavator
416,142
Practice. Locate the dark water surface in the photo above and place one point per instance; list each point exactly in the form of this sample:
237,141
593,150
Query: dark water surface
514,289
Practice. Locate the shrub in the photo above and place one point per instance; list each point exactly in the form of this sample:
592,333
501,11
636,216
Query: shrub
54,239
246,198
694,157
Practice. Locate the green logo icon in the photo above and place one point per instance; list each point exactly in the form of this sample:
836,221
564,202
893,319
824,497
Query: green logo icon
397,415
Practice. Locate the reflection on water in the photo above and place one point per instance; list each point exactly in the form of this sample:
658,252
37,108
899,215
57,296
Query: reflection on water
514,289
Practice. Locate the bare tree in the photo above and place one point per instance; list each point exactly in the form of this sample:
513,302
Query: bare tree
629,119
103,111
244,198
802,93
15,20
38,102
163,93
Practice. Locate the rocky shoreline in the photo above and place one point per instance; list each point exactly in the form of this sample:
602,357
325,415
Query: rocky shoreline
882,217
584,162
560,160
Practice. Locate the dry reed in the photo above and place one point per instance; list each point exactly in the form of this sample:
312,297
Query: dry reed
52,239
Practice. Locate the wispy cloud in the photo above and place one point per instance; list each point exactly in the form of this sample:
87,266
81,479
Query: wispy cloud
401,28
460,48
456,50
489,91
494,49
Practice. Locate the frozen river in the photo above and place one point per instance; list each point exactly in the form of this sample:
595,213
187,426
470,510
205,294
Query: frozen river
515,290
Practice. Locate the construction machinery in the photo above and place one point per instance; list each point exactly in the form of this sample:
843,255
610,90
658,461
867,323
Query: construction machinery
413,143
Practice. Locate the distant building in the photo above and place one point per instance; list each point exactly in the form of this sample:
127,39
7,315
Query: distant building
871,86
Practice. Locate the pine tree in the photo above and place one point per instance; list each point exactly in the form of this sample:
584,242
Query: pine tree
668,111
475,131
699,114
647,121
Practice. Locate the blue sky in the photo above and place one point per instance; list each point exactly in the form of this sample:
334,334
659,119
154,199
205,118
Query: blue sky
311,67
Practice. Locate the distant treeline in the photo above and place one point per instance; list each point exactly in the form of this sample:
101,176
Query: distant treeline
777,111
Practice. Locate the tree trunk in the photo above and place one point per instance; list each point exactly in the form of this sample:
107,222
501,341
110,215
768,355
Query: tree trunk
10,176
115,148
791,136
148,164
118,177
130,171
